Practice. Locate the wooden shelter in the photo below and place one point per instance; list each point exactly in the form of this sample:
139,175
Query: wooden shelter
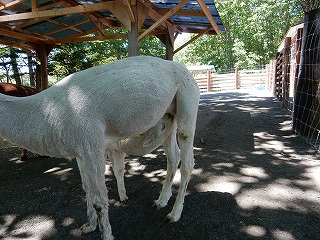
39,25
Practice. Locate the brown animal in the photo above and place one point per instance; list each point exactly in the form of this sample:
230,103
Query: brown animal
18,91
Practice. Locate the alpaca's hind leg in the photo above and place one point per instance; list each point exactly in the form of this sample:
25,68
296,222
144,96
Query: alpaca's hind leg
187,163
93,180
118,165
187,108
173,158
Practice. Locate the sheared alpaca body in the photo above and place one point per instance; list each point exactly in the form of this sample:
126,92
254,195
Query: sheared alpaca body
139,145
86,114
18,91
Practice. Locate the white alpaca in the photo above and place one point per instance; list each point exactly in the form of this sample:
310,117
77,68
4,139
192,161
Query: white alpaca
138,145
87,114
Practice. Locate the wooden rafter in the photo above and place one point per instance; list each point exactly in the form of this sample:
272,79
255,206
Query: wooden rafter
208,15
11,4
183,12
59,12
90,16
192,40
155,16
20,36
163,18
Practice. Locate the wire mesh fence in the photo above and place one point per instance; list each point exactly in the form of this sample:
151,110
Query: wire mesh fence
294,78
306,114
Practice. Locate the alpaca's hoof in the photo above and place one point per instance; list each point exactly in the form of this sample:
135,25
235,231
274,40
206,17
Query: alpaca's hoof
124,199
156,204
23,157
87,228
171,218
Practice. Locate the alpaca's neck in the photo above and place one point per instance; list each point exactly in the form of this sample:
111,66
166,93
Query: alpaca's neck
14,119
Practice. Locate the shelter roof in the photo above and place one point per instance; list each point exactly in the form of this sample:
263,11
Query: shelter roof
26,23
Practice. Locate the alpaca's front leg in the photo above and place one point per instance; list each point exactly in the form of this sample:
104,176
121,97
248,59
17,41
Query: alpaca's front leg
92,170
118,165
92,219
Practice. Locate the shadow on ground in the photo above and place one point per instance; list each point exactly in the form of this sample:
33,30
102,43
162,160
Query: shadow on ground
253,179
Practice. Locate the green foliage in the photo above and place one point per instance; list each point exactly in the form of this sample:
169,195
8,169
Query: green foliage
254,30
152,46
69,58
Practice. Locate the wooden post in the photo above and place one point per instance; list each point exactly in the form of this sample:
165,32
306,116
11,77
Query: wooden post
43,66
237,79
133,43
169,47
209,80
298,57
286,72
43,51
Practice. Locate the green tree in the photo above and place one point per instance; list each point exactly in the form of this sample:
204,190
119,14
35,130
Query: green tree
254,30
152,46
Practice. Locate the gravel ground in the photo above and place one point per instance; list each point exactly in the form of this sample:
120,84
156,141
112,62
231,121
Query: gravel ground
253,179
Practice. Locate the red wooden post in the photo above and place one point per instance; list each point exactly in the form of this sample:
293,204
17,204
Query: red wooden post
209,80
237,79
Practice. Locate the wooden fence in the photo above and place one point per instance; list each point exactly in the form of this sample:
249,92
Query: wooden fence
210,81
300,96
283,71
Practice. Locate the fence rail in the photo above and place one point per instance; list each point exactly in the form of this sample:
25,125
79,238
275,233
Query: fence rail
210,81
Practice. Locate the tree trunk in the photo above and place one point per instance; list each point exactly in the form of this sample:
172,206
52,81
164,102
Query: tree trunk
31,72
15,69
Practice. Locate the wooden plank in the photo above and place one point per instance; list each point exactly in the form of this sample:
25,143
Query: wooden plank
209,16
21,36
192,40
183,12
154,15
126,3
34,4
61,11
87,39
11,4
163,18
133,44
142,14
119,11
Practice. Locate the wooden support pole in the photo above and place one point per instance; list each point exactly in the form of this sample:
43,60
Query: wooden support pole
133,44
169,47
43,66
237,79
43,51
286,72
209,80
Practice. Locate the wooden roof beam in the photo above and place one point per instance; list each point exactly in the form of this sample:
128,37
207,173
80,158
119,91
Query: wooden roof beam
20,36
155,16
184,12
94,20
11,4
60,12
120,11
163,18
192,40
208,15
21,45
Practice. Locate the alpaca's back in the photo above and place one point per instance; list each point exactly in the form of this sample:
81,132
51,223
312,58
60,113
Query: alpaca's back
120,93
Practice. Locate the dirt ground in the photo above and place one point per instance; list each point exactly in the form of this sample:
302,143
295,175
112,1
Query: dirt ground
253,179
